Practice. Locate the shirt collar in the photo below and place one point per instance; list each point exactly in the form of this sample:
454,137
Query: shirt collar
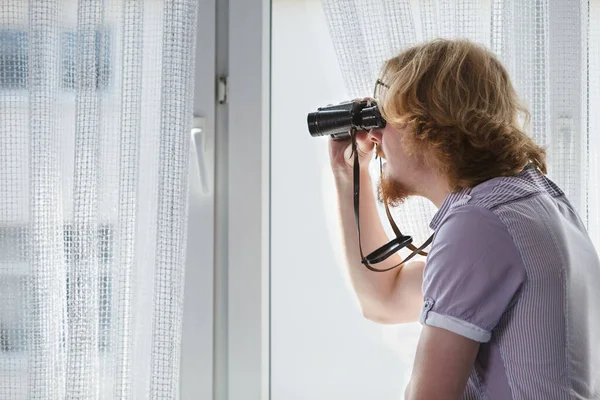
450,201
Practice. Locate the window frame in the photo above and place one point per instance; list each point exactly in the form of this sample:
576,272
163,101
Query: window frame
225,349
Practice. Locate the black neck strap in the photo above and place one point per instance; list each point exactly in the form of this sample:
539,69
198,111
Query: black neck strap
393,246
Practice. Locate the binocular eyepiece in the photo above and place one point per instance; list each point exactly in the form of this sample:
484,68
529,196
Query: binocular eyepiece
339,120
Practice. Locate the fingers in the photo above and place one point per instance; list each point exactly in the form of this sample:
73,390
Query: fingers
363,143
362,140
362,135
339,141
359,99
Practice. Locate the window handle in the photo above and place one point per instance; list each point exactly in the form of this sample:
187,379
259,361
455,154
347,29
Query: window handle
201,146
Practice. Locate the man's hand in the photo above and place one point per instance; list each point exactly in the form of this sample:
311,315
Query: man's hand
443,363
341,157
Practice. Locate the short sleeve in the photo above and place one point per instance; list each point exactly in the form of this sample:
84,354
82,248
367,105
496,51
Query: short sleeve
473,273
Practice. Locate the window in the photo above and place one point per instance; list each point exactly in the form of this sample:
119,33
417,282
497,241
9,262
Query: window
14,52
14,59
15,284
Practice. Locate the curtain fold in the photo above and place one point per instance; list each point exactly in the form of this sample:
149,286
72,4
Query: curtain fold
95,106
549,48
45,315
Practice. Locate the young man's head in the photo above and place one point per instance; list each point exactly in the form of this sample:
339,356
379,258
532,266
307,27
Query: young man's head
453,118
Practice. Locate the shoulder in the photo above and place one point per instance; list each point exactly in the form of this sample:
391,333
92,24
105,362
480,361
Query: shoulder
473,273
472,249
505,190
471,224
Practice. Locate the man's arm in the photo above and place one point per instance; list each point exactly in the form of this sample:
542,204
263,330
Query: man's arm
391,297
443,363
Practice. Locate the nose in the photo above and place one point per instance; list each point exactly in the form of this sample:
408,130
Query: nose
375,135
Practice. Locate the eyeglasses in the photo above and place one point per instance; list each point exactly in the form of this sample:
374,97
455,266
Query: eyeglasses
377,91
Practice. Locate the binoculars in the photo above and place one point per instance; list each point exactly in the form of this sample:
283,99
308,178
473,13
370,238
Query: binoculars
339,120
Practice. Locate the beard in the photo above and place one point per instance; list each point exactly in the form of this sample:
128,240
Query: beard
392,192
389,190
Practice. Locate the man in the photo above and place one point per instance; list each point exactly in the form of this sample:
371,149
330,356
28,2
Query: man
509,296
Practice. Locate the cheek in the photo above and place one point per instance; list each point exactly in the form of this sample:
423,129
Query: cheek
397,162
395,170
393,153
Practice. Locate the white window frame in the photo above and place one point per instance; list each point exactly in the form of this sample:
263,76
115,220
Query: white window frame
225,350
197,342
249,199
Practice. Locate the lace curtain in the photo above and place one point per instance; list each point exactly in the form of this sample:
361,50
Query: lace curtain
551,49
95,106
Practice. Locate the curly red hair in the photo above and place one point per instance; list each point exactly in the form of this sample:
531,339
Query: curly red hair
462,111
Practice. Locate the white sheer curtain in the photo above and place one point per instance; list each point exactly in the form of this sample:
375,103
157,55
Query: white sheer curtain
95,106
551,49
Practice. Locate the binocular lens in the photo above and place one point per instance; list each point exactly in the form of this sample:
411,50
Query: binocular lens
327,122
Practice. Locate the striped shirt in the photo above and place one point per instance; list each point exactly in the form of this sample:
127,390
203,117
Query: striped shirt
512,267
